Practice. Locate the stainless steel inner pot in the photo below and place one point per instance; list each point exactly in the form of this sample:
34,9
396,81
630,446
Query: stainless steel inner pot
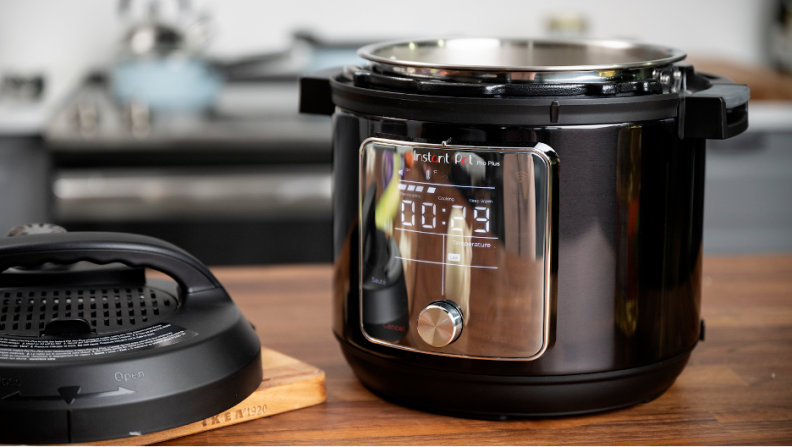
520,60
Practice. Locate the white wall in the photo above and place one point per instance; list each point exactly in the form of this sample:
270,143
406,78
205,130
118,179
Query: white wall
58,38
725,28
66,38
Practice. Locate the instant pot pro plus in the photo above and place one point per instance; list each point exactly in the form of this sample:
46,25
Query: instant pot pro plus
518,223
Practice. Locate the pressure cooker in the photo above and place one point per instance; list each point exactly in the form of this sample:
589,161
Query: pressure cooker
517,224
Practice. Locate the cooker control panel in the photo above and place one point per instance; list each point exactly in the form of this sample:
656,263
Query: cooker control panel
456,248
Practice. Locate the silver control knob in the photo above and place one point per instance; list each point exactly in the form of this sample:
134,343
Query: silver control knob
440,323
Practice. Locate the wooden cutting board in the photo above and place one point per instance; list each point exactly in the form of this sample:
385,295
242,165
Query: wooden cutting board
287,384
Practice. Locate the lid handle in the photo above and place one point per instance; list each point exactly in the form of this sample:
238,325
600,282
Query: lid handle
104,248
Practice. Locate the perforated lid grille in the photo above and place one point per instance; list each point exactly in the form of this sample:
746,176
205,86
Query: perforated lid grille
26,311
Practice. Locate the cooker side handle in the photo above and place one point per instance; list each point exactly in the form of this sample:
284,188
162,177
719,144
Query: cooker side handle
316,96
717,112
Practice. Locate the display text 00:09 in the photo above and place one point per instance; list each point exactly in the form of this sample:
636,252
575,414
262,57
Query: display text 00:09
481,216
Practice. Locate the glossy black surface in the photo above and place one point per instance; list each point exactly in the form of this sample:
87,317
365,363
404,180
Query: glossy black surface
629,240
486,396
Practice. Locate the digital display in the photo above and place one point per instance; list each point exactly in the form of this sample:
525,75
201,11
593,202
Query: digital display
458,224
431,209
452,216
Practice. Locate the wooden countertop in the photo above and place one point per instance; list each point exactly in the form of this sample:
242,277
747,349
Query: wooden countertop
737,388
764,82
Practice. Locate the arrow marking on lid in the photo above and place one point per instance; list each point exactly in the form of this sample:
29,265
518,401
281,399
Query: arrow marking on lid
69,394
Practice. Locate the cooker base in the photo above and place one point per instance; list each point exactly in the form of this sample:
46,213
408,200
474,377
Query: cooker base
480,396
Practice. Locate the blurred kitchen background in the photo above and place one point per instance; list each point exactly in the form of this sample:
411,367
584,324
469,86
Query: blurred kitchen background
178,119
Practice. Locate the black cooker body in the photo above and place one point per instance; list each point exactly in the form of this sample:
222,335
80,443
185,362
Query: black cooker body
532,254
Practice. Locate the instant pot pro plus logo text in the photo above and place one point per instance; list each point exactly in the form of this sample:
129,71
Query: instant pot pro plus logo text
457,158
430,157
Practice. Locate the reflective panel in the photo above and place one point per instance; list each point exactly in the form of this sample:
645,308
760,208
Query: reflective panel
464,230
